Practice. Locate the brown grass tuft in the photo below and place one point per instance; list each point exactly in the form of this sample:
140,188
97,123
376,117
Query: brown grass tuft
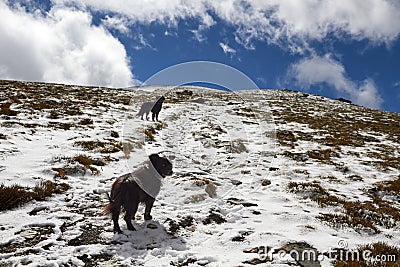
5,110
379,254
101,146
15,195
149,133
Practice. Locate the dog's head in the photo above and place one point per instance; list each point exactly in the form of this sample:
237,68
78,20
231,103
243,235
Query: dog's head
162,165
160,99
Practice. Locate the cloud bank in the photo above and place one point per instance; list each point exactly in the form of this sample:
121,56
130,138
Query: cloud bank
62,46
324,70
288,23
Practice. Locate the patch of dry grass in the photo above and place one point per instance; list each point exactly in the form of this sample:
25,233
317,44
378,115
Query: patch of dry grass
149,133
60,173
309,189
338,125
392,186
379,254
87,163
179,96
5,110
86,160
15,195
323,155
357,215
111,146
86,121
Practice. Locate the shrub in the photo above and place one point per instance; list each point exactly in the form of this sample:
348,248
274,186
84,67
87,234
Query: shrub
237,146
5,110
86,161
15,195
86,121
103,147
389,256
149,133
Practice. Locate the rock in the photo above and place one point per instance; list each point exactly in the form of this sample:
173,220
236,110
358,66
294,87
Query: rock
100,191
114,134
38,209
236,201
238,238
251,250
185,92
256,261
74,169
236,182
199,100
203,262
302,249
211,190
152,226
195,198
265,182
214,217
28,234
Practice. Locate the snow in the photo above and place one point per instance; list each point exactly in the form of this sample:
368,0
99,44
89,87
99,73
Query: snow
209,143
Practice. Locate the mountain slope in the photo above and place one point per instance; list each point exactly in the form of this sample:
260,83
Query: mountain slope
258,175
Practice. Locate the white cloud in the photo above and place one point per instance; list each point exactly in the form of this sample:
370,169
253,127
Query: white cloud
118,23
61,46
289,23
325,70
227,49
64,45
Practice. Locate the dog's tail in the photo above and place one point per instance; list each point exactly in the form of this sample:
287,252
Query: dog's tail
107,208
115,198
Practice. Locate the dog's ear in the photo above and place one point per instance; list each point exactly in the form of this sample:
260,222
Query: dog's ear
154,157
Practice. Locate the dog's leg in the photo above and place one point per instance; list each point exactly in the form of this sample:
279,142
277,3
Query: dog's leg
115,216
152,116
149,205
130,214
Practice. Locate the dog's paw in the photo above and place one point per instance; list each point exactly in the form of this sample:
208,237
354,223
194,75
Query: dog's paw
148,217
118,231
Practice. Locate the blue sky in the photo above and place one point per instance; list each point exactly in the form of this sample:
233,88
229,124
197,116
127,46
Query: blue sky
334,48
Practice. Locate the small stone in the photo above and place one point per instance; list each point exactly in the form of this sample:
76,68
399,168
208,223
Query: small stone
265,182
114,134
236,182
152,226
211,190
28,234
202,262
238,238
236,201
38,209
251,250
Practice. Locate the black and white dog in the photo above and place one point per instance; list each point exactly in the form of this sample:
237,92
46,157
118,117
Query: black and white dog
142,185
154,107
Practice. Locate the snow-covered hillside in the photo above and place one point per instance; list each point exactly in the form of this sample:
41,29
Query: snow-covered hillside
258,177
